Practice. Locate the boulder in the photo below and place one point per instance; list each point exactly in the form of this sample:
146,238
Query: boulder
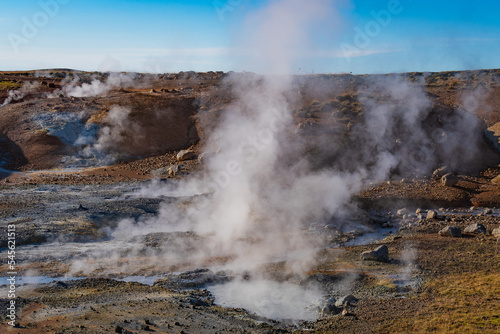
487,211
475,228
174,170
440,172
451,231
346,301
329,307
380,254
431,214
185,155
449,180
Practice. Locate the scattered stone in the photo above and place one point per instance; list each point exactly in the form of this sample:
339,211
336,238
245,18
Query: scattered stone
345,301
475,228
418,211
472,208
118,329
451,231
329,308
174,170
380,254
449,180
487,211
496,232
185,155
440,172
431,214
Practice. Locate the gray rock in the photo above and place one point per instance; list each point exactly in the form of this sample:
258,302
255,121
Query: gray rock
330,308
451,231
380,254
431,214
170,170
442,171
449,180
174,170
185,155
475,228
346,301
496,232
487,211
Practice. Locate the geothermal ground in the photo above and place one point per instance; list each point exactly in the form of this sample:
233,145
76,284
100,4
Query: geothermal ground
96,178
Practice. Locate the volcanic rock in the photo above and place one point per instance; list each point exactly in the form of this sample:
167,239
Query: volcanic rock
174,170
380,254
330,308
346,301
449,180
185,155
451,231
431,214
475,228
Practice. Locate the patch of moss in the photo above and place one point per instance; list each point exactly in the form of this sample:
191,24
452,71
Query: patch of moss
9,85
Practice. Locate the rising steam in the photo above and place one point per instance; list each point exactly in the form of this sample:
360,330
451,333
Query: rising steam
260,194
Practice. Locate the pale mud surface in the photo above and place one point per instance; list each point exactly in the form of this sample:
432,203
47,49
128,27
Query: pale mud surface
88,280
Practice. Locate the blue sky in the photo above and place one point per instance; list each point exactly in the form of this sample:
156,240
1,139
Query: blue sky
170,36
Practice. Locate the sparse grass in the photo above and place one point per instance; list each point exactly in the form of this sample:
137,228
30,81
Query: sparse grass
9,85
454,83
467,303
